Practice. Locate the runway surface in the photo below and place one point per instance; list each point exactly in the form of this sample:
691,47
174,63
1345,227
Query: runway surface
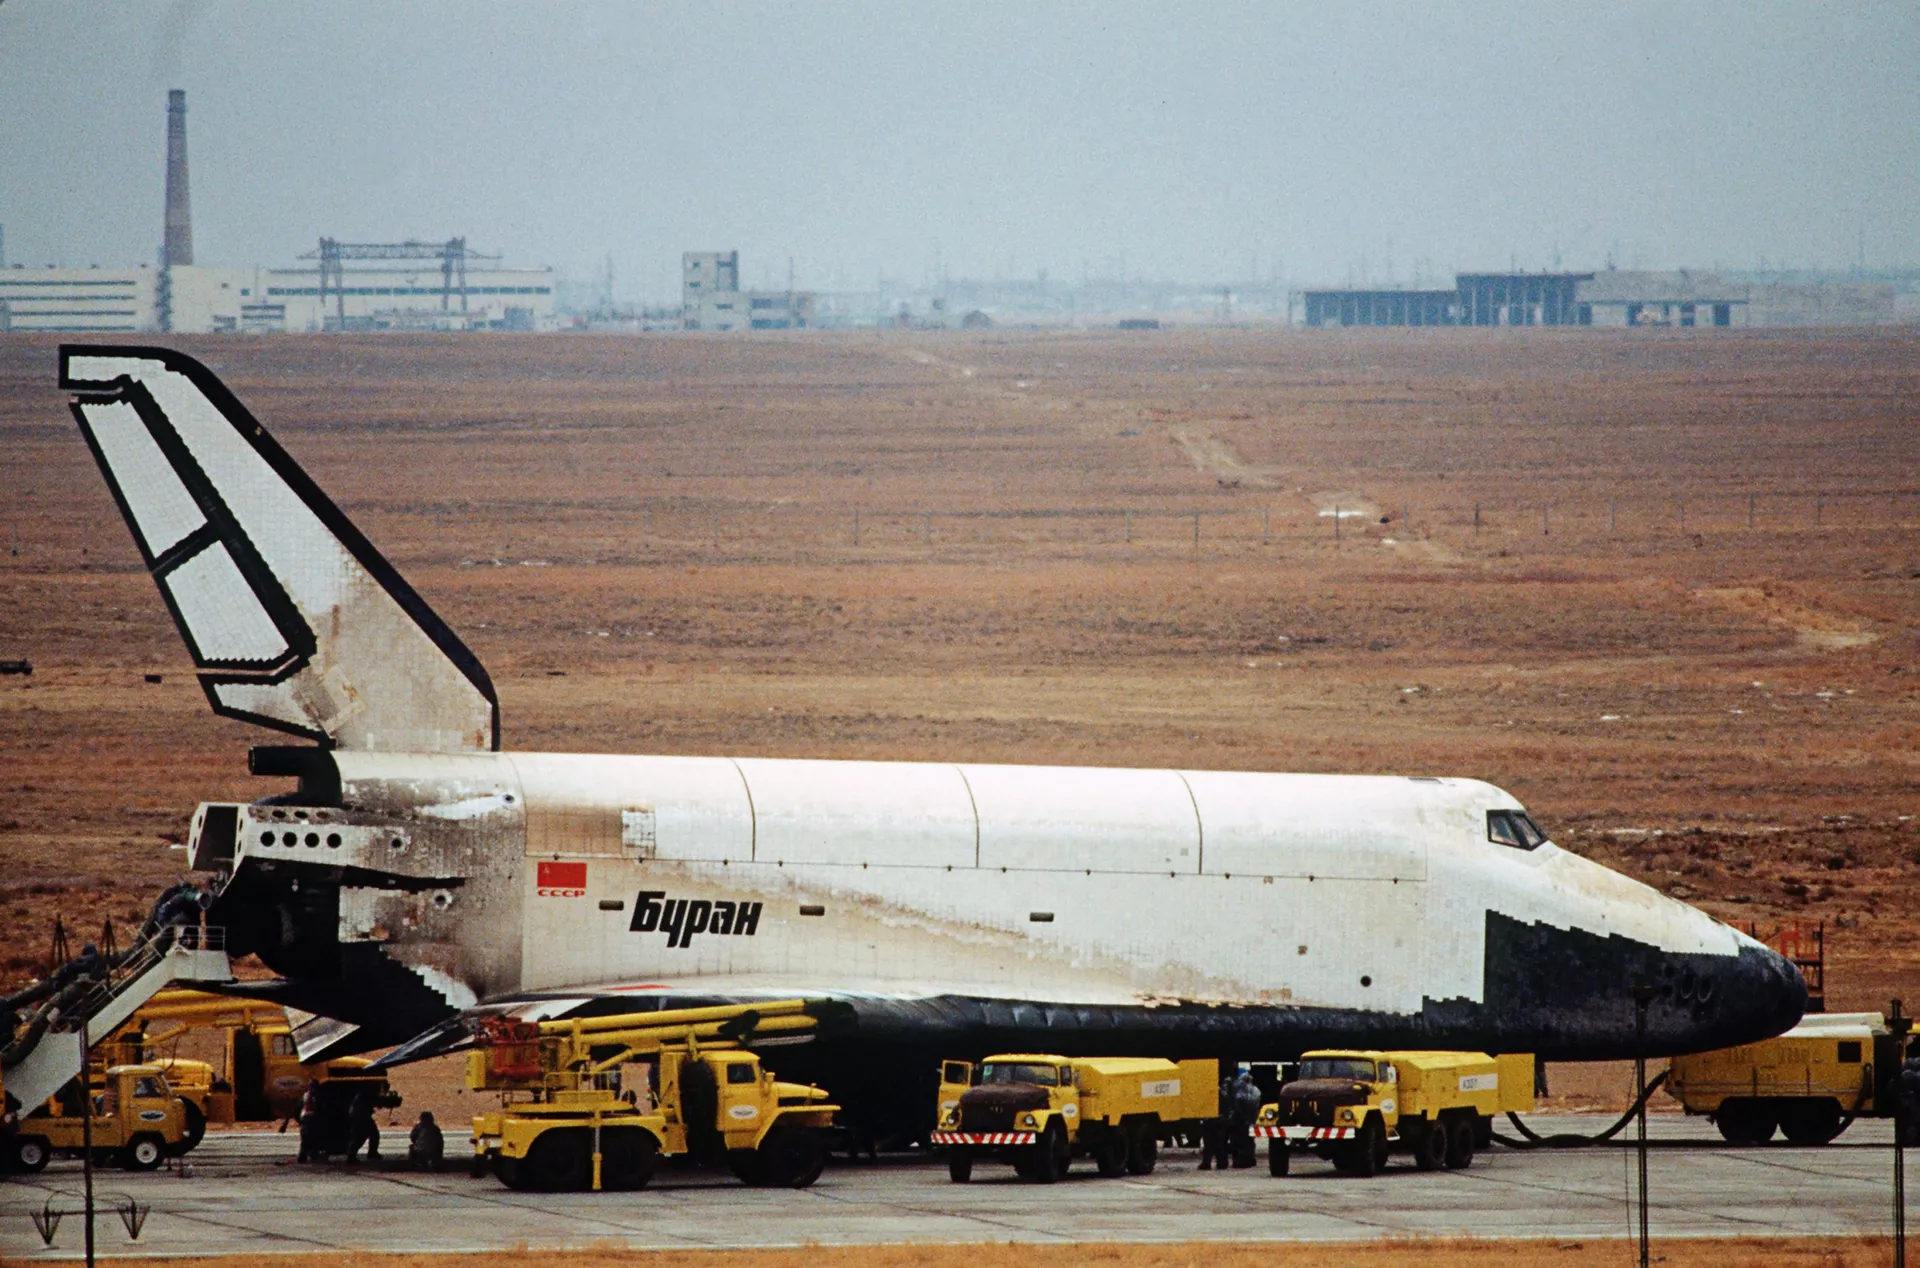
246,1196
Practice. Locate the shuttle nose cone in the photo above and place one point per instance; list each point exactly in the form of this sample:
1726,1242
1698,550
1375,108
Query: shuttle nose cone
1754,995
1572,993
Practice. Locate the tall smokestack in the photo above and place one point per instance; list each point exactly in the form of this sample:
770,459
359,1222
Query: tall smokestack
178,246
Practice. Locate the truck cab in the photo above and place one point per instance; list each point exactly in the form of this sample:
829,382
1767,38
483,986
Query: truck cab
136,1119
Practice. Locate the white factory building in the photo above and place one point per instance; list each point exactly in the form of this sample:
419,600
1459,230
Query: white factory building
385,297
193,299
92,299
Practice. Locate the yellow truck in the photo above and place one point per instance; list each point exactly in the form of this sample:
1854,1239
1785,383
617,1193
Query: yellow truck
1038,1111
1353,1107
1806,1083
594,1103
259,1076
136,1119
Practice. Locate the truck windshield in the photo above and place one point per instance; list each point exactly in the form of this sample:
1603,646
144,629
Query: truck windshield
1359,1069
1019,1072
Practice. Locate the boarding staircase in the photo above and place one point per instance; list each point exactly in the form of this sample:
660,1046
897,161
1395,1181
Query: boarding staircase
56,1056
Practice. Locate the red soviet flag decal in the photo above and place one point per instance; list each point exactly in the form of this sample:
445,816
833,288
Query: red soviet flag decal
561,880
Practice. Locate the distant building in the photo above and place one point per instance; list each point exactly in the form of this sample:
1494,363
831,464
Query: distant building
197,299
1684,297
1382,308
711,298
78,300
1824,303
704,273
1615,297
1477,299
405,295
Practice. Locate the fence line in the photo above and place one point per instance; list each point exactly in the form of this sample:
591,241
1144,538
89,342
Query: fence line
658,528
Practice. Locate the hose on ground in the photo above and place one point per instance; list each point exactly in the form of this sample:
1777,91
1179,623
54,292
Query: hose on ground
1530,1139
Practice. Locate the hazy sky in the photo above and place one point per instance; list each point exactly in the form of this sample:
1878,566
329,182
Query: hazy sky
1194,141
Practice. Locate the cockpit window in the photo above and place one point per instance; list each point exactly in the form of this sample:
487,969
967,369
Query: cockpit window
1512,827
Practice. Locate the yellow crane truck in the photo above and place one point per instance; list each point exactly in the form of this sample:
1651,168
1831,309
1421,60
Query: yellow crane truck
136,1119
1807,1084
579,1112
1354,1107
1038,1112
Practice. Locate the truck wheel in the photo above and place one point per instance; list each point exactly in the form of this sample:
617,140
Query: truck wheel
510,1172
793,1157
1111,1152
1364,1154
748,1167
144,1152
1460,1143
628,1158
1744,1120
1430,1147
196,1130
559,1162
1279,1158
1143,1150
30,1153
1809,1122
1051,1155
959,1165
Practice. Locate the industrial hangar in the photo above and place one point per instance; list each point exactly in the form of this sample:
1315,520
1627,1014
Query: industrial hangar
1613,297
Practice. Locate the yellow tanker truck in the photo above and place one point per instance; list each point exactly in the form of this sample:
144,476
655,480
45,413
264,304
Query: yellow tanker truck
1038,1112
1354,1107
1807,1084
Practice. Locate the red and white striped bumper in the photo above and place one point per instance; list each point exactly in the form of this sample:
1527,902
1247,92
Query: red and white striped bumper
984,1138
1303,1133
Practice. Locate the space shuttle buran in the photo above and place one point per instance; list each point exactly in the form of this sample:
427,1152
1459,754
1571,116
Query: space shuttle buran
421,877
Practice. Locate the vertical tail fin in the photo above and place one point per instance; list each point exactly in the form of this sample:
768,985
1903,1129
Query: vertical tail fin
294,620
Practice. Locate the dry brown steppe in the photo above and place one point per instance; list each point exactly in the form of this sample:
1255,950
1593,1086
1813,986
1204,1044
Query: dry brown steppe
1662,585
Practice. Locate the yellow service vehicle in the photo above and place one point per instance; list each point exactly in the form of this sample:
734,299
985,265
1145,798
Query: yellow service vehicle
1038,1112
1808,1083
260,1076
572,1121
136,1118
1353,1107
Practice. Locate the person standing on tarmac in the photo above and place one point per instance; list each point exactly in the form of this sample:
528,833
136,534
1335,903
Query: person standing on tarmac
361,1129
1213,1131
1239,1146
310,1124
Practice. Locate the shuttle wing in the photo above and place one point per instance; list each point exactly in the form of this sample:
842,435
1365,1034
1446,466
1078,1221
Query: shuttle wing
293,619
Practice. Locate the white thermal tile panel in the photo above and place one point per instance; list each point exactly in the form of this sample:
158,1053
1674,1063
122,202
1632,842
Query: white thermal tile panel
162,508
221,610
